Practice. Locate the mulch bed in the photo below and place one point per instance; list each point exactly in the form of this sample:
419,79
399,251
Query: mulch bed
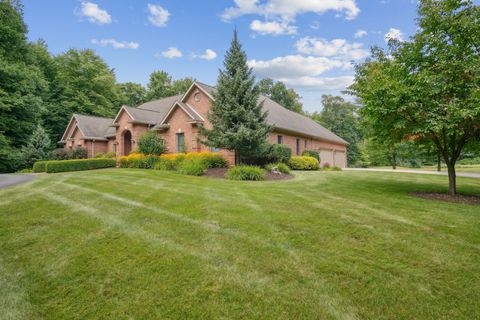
219,173
438,196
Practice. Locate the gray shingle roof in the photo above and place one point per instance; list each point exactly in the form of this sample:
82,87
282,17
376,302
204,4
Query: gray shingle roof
160,105
282,118
144,115
94,127
195,116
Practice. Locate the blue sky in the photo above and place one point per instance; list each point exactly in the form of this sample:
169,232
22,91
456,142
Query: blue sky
308,44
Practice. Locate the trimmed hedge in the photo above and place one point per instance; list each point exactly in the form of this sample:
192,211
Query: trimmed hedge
40,166
78,165
251,173
303,163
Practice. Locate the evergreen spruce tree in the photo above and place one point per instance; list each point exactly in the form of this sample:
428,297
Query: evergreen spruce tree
238,121
38,147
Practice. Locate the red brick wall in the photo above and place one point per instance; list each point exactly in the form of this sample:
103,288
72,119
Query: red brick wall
136,130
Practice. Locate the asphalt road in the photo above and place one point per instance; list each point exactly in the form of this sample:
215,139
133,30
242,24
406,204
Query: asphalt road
442,173
7,180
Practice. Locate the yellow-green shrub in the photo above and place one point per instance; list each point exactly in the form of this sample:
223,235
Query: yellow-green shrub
303,163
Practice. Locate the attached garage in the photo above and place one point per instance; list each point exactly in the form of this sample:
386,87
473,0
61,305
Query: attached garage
326,156
340,159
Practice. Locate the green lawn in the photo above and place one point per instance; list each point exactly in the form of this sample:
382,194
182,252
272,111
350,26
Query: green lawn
139,244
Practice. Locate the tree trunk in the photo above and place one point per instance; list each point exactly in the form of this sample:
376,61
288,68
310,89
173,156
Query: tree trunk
452,178
237,158
439,163
394,160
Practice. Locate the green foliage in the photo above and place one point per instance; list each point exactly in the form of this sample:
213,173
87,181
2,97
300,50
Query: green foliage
238,121
192,167
341,117
110,155
427,89
161,85
151,143
100,155
281,167
242,172
78,165
165,164
470,161
22,86
40,166
38,147
26,170
131,94
312,153
303,163
279,153
278,92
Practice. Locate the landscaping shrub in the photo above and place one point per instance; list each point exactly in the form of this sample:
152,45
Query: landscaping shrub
164,164
151,144
79,153
40,166
246,173
26,170
312,153
209,159
326,165
78,165
100,155
66,154
139,161
281,167
303,163
110,155
192,167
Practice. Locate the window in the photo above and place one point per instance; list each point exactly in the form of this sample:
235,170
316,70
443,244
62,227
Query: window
298,147
214,149
115,147
197,96
305,143
180,142
280,139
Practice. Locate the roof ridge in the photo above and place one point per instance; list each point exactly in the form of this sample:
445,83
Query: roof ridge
137,108
90,116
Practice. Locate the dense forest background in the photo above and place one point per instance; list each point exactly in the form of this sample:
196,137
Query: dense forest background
40,91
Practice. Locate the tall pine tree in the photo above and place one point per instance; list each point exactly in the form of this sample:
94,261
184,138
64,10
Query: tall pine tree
237,119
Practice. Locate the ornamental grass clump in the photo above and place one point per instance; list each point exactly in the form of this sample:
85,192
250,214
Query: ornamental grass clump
251,173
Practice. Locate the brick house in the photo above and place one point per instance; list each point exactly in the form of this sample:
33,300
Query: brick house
177,119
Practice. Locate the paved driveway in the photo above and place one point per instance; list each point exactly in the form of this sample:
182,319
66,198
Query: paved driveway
442,173
7,180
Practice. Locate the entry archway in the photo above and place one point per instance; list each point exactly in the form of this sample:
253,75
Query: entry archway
127,143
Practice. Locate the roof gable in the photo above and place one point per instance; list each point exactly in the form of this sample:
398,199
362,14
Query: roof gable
192,114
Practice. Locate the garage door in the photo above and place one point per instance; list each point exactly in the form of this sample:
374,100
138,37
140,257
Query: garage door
340,159
326,156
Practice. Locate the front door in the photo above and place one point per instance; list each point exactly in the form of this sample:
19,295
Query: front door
127,143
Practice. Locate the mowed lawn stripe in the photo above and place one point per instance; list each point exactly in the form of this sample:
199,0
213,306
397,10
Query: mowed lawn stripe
147,244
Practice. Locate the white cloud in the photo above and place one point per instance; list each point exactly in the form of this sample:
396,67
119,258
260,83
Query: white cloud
304,72
94,14
360,34
394,34
319,83
337,48
315,25
273,27
290,9
208,55
172,53
158,15
116,44
295,66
